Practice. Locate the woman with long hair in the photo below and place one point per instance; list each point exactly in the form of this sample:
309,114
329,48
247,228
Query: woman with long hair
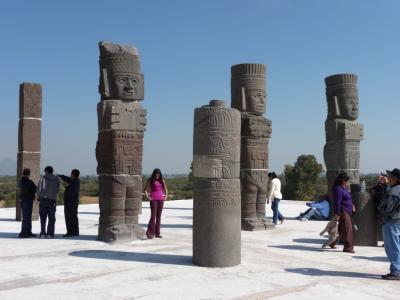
343,208
275,196
156,191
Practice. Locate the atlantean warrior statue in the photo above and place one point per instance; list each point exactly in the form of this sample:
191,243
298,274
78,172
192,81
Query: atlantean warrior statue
121,121
343,133
216,190
248,92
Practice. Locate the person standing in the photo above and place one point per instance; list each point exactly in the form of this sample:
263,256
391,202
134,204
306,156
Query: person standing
71,201
48,187
343,208
275,196
156,191
27,191
389,208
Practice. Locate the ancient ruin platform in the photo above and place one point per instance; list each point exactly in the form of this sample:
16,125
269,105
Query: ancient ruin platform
284,263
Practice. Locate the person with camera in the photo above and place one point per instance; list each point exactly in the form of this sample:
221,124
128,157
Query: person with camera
389,208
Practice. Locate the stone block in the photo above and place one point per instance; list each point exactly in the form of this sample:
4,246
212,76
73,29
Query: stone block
343,130
119,152
216,146
30,100
119,115
29,135
248,88
216,222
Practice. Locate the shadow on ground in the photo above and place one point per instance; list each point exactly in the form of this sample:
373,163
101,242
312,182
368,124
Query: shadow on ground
309,241
298,247
82,237
88,213
318,272
373,258
170,225
169,259
8,220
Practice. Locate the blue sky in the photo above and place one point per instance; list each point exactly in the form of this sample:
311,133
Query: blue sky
187,49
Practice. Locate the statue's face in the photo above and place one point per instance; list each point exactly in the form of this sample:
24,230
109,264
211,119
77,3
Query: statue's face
255,101
125,87
348,102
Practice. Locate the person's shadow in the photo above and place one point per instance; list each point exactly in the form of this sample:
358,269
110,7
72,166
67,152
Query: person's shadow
319,272
170,259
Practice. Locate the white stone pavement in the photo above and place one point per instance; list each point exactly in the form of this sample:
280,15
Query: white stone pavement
285,263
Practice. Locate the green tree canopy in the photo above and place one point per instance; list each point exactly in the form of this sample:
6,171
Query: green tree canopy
300,180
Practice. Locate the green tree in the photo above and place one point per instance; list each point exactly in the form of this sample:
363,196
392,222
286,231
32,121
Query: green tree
300,180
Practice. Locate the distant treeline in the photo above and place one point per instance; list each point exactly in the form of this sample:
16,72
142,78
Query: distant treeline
179,186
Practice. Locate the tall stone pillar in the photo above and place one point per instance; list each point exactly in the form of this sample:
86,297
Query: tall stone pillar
119,150
29,136
248,95
343,133
216,191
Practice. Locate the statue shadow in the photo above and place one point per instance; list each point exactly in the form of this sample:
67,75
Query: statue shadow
82,237
299,247
373,258
169,259
309,241
178,208
88,213
189,226
8,220
319,272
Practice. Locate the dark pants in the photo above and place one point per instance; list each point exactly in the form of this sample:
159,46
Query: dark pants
26,225
156,207
345,232
313,214
47,208
275,209
71,216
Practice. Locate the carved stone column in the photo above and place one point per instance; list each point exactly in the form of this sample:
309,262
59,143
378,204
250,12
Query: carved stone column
29,137
216,191
119,150
343,133
248,92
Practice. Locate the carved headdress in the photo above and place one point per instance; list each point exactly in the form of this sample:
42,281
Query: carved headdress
246,78
118,60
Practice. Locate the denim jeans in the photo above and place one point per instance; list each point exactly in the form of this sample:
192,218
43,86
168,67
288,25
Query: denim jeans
313,214
26,226
275,209
391,239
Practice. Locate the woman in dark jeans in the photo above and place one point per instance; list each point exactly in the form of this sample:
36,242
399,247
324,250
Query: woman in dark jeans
343,208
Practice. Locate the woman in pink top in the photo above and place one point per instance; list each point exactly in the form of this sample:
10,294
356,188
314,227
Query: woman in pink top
156,191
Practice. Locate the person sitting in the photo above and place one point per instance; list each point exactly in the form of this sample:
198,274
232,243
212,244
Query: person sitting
319,210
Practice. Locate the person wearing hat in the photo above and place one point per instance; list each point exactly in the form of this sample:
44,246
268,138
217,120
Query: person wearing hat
389,208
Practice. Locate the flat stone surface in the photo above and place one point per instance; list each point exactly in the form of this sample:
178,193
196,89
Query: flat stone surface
285,263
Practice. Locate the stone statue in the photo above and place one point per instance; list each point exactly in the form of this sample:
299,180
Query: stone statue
343,133
121,122
248,92
216,191
29,136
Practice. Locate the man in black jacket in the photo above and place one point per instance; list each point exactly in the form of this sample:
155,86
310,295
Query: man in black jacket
71,202
27,191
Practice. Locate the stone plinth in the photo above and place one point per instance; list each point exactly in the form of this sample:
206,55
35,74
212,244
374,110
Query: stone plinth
119,150
29,138
216,190
364,218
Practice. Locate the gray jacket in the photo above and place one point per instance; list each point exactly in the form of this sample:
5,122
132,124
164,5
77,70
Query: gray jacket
389,207
48,186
